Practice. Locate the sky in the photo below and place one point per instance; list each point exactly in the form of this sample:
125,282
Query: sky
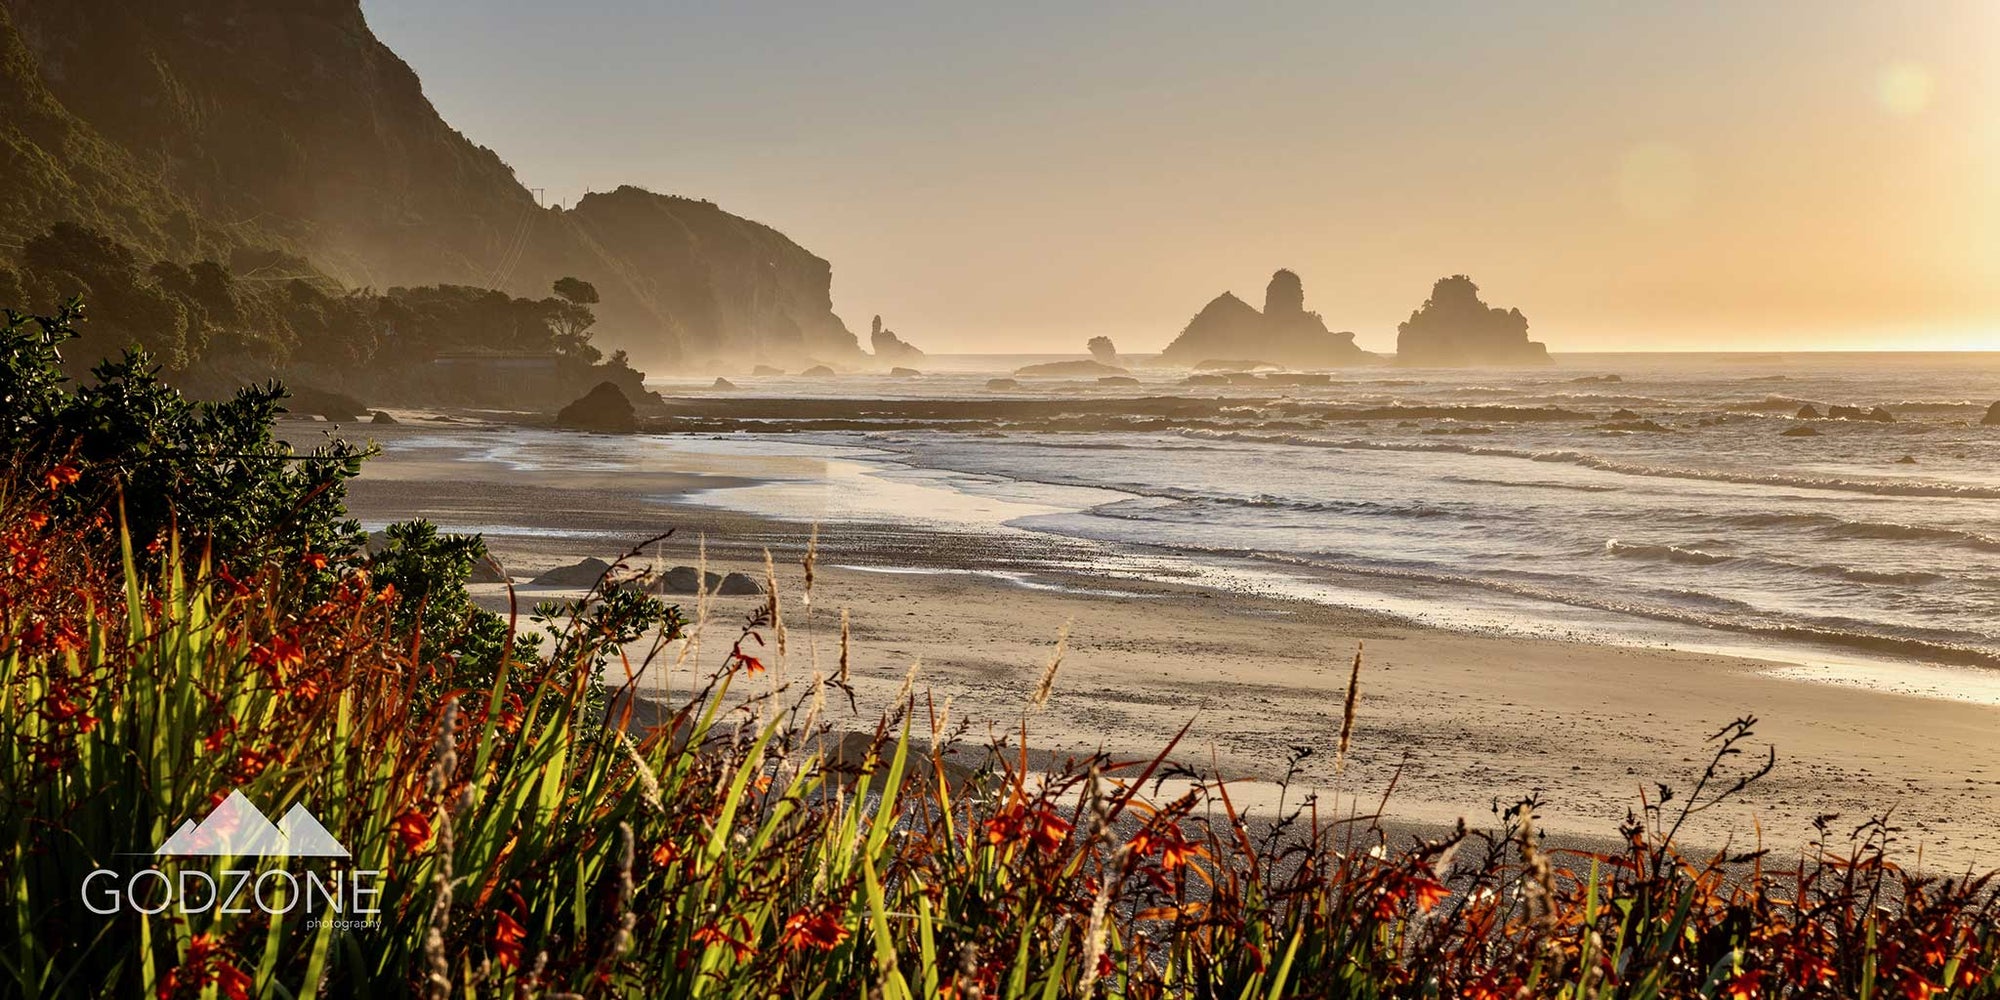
1019,177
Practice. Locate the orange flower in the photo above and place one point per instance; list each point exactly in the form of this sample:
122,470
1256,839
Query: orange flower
415,829
712,935
805,929
1175,852
666,853
1745,985
1048,831
234,982
62,475
1428,892
507,937
751,664
315,560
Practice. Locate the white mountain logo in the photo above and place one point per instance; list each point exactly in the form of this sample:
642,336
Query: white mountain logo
238,829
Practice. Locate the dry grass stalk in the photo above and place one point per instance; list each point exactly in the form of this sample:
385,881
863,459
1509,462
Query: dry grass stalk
1047,685
775,606
812,557
1347,714
844,648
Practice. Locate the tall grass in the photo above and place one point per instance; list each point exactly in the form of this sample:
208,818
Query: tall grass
738,843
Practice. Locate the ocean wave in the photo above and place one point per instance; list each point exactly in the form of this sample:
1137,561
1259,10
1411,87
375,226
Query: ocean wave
1910,578
1834,526
1839,632
1538,484
1877,487
1667,553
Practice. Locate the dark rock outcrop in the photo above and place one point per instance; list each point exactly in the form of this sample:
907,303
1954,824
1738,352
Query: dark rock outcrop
904,372
1205,380
723,383
1807,412
382,417
1454,328
818,371
1117,380
687,580
1992,416
333,406
584,573
1102,350
889,347
999,384
1283,332
604,409
1799,432
738,584
1071,368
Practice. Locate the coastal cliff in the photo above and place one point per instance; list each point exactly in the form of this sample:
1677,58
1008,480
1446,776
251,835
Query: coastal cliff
1283,333
188,127
1454,327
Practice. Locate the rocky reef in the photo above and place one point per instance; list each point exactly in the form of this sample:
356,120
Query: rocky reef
889,348
1283,333
1455,328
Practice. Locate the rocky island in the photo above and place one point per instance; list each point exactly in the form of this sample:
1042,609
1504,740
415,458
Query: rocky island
1283,333
889,348
1455,328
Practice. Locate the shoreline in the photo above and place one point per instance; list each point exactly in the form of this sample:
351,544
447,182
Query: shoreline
1454,719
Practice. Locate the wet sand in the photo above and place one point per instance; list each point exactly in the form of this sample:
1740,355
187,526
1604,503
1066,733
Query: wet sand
1456,720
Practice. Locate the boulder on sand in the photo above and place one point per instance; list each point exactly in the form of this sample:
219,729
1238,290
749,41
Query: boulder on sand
604,409
736,584
580,574
487,569
336,407
723,383
687,580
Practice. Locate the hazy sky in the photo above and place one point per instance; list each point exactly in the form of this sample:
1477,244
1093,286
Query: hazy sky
1020,176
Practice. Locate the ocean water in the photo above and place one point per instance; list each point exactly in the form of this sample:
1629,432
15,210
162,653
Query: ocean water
1662,505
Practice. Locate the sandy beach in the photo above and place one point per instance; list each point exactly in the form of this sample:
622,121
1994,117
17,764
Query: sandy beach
1457,720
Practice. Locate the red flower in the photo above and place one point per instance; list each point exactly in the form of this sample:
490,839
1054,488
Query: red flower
666,853
234,982
751,664
1428,892
507,937
314,560
415,829
805,929
712,935
1014,824
1745,986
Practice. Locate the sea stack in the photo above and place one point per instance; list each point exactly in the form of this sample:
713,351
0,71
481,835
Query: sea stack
890,348
1455,328
1283,333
